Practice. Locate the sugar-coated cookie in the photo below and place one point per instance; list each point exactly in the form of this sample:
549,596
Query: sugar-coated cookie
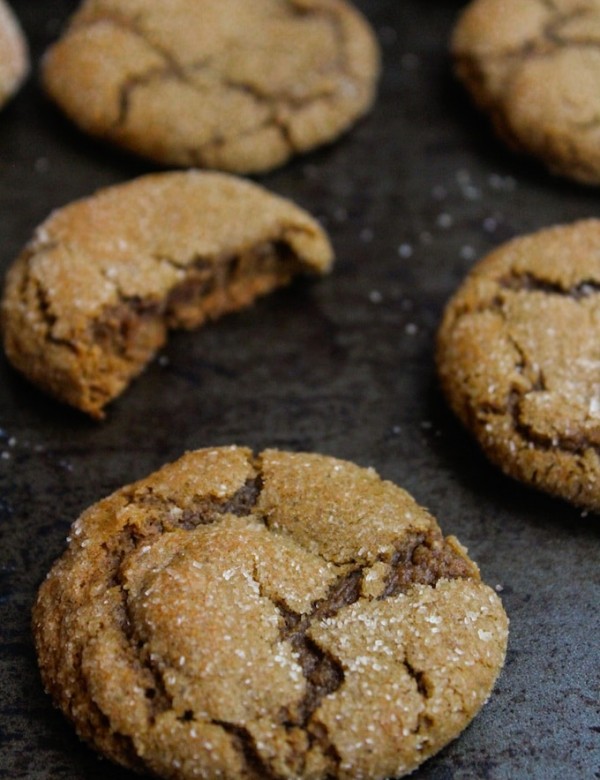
14,54
266,616
229,84
91,298
534,67
519,359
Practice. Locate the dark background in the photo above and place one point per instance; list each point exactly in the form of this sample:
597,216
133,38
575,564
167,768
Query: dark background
411,198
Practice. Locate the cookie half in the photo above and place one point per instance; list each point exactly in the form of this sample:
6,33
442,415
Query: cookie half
519,359
92,297
534,67
229,84
14,55
266,616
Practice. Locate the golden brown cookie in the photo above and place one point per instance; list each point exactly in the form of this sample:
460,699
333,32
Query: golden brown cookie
534,66
519,359
14,56
266,616
92,297
229,84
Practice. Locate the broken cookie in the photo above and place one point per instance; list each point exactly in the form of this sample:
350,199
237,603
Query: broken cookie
229,84
90,300
266,616
519,359
14,56
534,67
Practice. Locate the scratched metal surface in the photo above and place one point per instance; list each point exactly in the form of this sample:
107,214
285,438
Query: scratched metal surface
411,197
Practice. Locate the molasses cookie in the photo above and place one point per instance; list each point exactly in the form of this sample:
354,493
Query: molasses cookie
519,359
229,84
14,57
92,297
534,67
266,616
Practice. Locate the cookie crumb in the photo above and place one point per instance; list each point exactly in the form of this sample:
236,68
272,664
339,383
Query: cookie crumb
467,252
444,220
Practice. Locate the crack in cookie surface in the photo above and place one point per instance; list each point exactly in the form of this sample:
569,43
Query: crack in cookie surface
273,102
531,282
527,366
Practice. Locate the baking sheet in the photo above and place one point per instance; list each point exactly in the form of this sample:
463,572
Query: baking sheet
411,197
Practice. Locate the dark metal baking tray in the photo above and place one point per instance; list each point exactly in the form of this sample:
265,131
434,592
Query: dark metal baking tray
411,197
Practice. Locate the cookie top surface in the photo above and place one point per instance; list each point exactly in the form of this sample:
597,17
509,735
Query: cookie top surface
519,359
272,616
14,56
534,66
89,301
220,83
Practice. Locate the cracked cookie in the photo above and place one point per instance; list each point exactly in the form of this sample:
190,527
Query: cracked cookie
14,56
534,66
229,84
266,617
519,359
92,297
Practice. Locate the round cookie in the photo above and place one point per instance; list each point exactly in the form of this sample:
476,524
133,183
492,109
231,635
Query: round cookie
14,57
519,356
91,298
229,84
534,67
266,616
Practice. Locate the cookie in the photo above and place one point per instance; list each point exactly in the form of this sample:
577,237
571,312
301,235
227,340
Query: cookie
266,616
14,56
92,297
519,357
534,67
222,84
